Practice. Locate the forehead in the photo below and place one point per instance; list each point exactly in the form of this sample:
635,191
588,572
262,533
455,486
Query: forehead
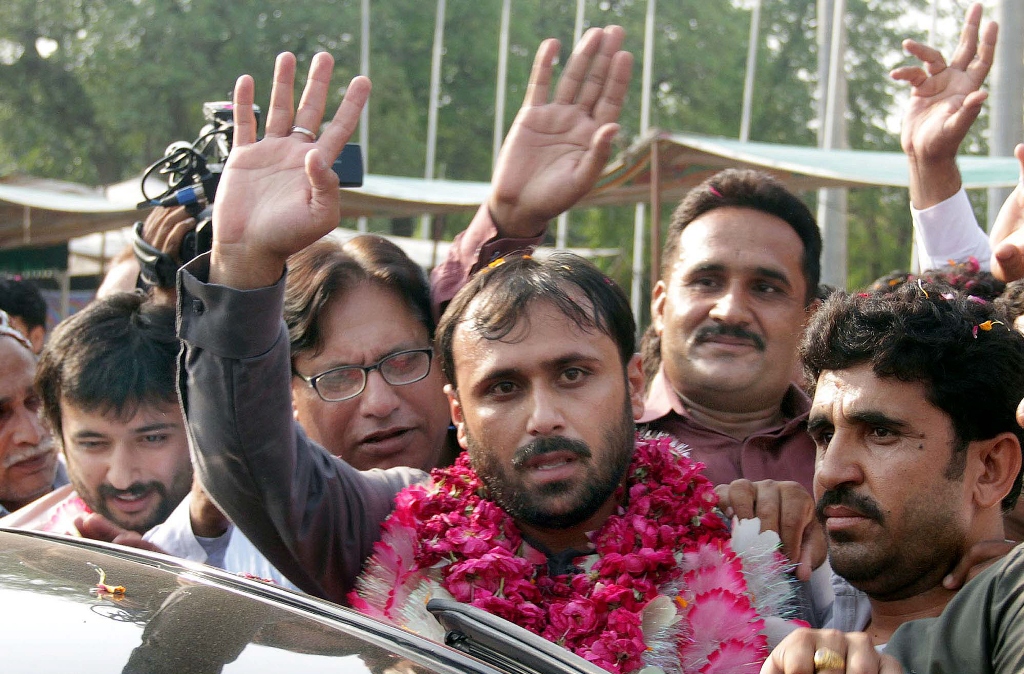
368,321
74,417
741,238
542,335
17,366
841,394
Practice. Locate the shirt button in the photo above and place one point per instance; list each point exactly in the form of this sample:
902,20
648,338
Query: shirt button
198,307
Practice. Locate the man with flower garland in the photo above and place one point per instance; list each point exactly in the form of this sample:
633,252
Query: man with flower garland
558,517
666,583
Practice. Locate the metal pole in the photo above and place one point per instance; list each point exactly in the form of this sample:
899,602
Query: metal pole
645,122
364,117
832,202
499,96
562,226
435,88
748,83
1006,112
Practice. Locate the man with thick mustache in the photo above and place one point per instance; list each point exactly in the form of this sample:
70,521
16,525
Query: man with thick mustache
918,449
739,273
29,467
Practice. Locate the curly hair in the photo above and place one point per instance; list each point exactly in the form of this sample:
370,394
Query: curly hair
964,351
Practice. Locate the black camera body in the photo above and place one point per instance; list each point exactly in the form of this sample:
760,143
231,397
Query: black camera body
192,172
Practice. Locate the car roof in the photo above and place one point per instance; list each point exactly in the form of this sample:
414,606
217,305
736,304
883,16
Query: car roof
176,616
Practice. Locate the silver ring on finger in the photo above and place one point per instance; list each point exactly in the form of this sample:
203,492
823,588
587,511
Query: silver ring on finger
305,132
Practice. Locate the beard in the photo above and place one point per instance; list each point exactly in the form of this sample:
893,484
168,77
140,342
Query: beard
563,504
168,498
898,561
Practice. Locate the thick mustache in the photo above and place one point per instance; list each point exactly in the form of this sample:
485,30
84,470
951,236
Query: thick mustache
134,490
706,332
542,446
28,454
845,496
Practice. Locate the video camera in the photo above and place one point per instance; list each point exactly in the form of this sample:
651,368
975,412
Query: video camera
192,172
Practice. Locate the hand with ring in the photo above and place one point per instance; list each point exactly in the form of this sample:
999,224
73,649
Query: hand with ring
828,652
278,195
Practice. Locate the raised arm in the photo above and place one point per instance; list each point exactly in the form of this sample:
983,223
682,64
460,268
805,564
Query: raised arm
558,144
551,157
279,195
945,99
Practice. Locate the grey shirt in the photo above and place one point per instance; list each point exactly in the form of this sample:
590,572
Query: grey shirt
314,517
981,629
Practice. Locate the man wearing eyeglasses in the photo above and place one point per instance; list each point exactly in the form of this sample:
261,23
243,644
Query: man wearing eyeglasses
364,382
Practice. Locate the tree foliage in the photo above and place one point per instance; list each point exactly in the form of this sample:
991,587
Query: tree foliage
94,90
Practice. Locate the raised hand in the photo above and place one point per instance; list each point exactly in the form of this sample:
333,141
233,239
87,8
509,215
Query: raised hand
944,102
556,148
1007,236
278,195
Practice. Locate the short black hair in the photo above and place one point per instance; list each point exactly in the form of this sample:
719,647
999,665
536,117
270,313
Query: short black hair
22,298
756,190
116,354
327,269
964,351
506,289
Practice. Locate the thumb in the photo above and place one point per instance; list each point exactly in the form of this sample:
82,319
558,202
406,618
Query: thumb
1008,262
596,157
322,178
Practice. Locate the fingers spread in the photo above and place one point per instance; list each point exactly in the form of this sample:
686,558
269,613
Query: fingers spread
931,58
540,74
913,75
282,108
597,77
982,62
575,72
616,85
346,119
314,95
242,111
968,45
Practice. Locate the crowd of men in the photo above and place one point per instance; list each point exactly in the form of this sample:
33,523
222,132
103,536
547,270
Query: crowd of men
876,432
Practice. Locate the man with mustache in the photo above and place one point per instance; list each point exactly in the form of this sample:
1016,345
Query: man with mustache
739,274
544,389
29,466
106,382
918,449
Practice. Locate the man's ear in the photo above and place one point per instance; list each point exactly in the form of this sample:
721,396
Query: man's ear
455,407
635,379
998,464
658,306
37,336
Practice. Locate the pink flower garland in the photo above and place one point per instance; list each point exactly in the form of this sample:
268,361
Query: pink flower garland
667,542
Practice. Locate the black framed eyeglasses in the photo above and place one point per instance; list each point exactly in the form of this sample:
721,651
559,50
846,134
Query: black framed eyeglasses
397,369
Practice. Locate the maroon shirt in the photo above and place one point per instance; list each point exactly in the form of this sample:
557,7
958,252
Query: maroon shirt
782,452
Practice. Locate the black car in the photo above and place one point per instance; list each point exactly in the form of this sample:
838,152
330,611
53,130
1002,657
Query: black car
70,605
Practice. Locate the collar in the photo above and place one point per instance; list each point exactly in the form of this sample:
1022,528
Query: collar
662,401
